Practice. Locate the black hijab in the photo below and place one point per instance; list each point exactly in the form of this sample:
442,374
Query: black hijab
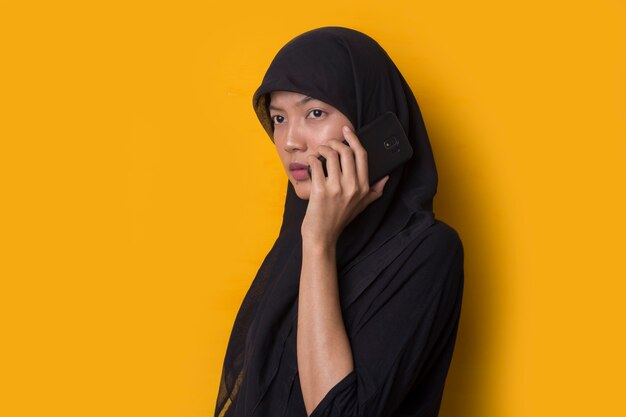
350,71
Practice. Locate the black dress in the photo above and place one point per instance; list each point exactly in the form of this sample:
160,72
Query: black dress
388,355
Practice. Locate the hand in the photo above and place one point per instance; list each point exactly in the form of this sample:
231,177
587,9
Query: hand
336,200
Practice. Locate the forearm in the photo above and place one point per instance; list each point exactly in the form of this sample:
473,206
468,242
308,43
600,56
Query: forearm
323,347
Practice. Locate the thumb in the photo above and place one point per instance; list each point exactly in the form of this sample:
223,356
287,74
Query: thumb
378,187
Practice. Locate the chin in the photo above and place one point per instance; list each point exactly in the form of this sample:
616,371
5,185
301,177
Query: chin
302,189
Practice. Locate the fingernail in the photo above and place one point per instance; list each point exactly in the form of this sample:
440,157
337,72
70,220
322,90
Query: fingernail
346,129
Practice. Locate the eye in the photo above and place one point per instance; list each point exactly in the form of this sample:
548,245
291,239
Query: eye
277,119
317,113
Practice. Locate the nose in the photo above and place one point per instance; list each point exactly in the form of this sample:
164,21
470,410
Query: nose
295,139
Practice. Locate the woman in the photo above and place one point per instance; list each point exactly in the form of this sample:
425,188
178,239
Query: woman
355,309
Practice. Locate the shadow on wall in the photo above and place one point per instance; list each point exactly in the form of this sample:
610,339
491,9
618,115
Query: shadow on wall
468,392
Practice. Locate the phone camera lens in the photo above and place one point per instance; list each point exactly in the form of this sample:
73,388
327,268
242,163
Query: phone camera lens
391,142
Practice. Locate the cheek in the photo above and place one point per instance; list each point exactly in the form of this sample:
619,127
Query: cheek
321,134
281,154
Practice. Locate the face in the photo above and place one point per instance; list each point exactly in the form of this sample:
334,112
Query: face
301,125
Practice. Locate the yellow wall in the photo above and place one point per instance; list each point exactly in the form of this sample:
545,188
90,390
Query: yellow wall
140,194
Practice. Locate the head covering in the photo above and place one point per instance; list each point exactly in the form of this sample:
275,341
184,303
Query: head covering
352,72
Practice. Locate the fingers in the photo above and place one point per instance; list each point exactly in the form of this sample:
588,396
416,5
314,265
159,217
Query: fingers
347,163
378,186
333,165
360,155
376,191
317,172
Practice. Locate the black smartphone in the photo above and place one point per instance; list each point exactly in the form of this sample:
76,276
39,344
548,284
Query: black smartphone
386,144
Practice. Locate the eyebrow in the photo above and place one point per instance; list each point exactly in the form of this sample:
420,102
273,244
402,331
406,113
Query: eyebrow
299,103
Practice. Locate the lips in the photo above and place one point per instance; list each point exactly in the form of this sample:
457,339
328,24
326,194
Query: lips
299,171
295,166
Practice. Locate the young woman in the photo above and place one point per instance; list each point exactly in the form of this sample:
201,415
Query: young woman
355,309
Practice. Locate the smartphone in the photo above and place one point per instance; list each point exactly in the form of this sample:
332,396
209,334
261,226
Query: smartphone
386,144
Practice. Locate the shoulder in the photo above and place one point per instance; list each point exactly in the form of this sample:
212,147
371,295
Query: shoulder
440,240
435,260
430,271
438,261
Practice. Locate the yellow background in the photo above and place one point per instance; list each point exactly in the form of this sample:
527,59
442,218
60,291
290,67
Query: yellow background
139,194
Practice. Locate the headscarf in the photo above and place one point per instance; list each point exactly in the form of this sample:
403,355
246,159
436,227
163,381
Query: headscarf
352,72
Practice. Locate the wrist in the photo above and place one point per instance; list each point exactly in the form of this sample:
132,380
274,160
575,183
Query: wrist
319,245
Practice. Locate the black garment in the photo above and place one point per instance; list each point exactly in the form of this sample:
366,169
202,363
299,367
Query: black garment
400,270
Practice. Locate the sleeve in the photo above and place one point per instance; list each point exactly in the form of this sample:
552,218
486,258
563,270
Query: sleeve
406,328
